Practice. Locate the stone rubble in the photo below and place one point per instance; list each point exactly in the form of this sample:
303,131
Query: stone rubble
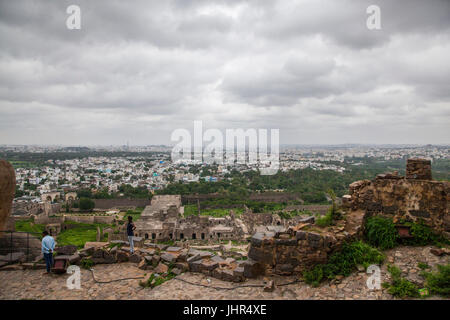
32,284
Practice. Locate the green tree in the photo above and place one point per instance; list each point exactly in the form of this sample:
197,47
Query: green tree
86,204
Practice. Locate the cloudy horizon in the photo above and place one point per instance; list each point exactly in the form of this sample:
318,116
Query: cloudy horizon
138,70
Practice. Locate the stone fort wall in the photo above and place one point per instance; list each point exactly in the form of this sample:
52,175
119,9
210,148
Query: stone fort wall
401,198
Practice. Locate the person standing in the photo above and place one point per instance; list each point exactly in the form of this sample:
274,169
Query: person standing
130,228
48,245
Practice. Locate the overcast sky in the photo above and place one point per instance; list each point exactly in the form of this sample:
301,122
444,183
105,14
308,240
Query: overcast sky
137,70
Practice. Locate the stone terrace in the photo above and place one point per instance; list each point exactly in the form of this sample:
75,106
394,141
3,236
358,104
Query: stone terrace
31,284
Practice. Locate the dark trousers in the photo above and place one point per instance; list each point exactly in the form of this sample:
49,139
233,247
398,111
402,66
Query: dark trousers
48,257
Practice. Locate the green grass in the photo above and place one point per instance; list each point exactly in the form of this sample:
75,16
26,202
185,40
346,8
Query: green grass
158,280
136,214
29,226
325,220
344,262
84,232
399,286
439,282
423,265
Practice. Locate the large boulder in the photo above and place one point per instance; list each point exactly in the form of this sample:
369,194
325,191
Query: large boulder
135,258
102,256
7,192
168,257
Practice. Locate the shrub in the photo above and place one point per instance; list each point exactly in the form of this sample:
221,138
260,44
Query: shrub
400,287
439,282
325,220
86,204
314,276
423,265
155,281
344,262
381,232
87,263
423,235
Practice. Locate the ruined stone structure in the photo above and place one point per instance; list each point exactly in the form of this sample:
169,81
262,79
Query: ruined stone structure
292,250
411,198
164,220
418,169
7,191
70,196
51,196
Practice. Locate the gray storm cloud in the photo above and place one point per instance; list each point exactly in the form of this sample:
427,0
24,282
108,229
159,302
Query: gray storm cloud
137,70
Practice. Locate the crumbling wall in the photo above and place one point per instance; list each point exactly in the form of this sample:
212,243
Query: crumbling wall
407,199
413,198
296,250
418,169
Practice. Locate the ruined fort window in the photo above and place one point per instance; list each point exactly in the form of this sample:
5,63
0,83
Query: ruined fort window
218,235
153,235
194,236
146,236
181,236
171,235
203,236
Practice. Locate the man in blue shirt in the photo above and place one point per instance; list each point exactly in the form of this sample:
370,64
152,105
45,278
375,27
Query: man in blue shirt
130,228
48,245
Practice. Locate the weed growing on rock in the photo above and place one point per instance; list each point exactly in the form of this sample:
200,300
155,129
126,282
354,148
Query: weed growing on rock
344,262
381,232
87,263
439,282
399,286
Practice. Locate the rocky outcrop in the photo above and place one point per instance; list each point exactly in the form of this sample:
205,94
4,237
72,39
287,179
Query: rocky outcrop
7,191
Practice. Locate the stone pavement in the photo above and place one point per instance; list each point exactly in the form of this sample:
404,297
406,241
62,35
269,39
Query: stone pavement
32,284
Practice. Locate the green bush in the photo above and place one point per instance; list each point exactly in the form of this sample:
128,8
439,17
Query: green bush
155,281
439,282
423,235
314,276
87,263
344,262
86,204
423,265
381,232
325,220
400,287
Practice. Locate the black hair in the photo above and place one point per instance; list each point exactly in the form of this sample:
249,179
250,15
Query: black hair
45,233
130,218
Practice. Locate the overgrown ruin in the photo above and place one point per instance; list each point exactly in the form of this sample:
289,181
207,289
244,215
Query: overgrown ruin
412,198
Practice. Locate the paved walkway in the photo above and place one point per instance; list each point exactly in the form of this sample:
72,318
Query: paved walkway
32,284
